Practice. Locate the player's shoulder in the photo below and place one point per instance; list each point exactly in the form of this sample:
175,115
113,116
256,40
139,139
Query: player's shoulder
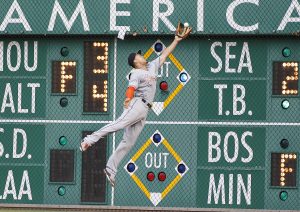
154,63
134,72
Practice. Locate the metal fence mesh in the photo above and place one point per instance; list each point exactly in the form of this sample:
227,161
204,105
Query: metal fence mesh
223,128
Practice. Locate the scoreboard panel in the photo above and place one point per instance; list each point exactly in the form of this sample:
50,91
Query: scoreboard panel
217,142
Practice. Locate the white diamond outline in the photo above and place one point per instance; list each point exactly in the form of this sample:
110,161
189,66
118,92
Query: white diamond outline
188,79
153,47
125,167
187,168
162,138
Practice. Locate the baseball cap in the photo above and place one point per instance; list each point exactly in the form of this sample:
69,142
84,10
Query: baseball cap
132,56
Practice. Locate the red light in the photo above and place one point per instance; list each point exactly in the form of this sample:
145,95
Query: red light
150,176
162,176
163,86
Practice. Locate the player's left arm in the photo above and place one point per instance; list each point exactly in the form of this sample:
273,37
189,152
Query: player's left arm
165,54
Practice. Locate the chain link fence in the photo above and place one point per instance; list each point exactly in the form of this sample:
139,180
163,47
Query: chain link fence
223,128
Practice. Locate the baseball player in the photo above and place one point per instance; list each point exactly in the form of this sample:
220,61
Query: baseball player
139,97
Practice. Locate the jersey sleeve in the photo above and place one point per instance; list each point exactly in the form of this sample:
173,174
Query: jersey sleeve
133,80
155,65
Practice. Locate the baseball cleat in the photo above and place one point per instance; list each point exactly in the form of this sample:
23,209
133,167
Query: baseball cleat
109,178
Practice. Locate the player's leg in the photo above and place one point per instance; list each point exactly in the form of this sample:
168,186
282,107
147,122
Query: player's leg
135,112
130,136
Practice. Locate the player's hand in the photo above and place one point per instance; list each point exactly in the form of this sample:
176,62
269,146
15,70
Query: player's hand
126,102
180,38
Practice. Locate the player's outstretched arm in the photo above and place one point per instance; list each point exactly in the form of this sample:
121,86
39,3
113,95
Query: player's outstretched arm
173,45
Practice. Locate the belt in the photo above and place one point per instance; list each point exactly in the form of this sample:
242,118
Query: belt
147,103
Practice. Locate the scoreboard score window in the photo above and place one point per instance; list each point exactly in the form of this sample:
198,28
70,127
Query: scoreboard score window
93,180
95,77
285,78
61,165
64,77
283,169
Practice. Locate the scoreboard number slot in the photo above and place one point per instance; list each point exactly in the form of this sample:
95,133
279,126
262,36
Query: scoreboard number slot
93,180
64,77
285,78
284,170
96,77
62,165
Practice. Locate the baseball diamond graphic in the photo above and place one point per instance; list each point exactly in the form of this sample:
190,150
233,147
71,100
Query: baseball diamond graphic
181,168
183,77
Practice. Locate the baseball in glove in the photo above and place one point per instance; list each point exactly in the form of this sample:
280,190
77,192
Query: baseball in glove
182,31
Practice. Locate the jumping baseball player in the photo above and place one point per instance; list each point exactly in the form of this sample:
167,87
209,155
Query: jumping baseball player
139,97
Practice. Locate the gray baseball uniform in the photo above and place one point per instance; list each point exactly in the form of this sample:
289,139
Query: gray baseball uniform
133,118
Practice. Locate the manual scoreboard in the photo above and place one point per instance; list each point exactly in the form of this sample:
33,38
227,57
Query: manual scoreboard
223,130
43,84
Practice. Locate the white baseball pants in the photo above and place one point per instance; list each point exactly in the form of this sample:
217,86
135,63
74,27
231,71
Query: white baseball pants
132,121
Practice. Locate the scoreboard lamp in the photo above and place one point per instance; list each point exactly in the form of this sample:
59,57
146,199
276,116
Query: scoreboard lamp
285,78
283,170
96,62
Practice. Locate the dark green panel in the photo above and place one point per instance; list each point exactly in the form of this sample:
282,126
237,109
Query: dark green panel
274,135
238,188
73,134
22,184
74,109
249,151
23,57
251,108
22,143
183,139
233,58
274,110
22,98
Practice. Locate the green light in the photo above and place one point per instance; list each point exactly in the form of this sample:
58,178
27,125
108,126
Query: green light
63,140
286,52
285,104
63,102
64,51
284,143
61,191
283,195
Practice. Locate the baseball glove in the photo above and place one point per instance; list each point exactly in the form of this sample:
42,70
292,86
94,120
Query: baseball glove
182,31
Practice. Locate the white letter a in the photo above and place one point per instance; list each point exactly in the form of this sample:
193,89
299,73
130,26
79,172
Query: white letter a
20,20
287,17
